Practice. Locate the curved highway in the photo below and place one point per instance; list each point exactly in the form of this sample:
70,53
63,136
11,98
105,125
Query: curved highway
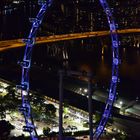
10,44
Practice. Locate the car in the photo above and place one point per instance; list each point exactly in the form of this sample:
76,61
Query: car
67,129
66,116
73,128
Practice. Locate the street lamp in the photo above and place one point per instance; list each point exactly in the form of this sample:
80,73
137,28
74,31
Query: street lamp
121,103
85,90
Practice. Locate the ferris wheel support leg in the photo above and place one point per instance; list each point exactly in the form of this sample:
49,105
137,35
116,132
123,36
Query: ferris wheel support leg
61,74
90,108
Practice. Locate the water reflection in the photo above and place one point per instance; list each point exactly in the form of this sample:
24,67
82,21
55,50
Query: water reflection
129,70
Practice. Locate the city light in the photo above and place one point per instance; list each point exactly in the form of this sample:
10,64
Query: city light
24,92
121,103
85,90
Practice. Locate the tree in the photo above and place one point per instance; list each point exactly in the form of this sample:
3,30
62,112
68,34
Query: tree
5,129
97,118
11,92
2,108
50,110
8,102
46,131
38,106
11,99
38,101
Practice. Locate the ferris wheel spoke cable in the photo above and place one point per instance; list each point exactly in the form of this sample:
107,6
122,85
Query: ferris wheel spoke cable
26,64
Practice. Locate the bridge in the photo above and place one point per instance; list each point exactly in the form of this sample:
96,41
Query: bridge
16,43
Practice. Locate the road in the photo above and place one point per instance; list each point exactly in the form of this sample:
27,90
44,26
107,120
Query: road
10,44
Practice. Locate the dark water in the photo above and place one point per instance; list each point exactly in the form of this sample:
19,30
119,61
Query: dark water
129,71
96,60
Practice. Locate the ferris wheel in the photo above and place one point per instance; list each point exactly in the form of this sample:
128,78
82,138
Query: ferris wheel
26,64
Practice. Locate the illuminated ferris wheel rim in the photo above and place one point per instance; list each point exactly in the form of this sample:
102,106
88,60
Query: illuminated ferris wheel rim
26,108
